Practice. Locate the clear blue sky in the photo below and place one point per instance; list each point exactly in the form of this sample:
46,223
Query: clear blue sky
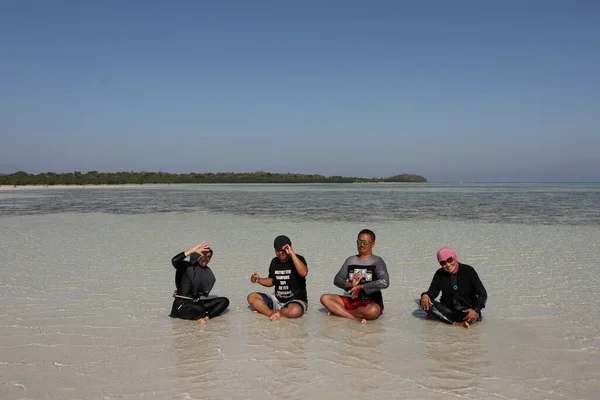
452,90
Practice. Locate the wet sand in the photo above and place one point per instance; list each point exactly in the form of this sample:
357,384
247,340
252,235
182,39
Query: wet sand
85,298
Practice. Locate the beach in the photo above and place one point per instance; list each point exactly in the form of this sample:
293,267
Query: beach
86,297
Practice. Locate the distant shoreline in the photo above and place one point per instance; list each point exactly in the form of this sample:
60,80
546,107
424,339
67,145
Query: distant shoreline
76,186
155,185
22,178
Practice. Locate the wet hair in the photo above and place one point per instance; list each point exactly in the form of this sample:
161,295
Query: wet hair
367,232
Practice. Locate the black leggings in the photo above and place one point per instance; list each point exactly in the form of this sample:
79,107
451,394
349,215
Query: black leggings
445,314
189,309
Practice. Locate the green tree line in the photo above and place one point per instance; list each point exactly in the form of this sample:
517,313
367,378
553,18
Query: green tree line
22,178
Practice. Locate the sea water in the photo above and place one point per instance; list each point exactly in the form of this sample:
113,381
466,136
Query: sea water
86,283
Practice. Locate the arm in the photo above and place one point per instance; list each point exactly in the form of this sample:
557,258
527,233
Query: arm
299,264
480,291
434,287
178,260
266,282
475,311
431,293
341,278
383,278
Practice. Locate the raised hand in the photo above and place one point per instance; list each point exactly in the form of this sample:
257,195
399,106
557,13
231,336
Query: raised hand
203,246
288,249
356,278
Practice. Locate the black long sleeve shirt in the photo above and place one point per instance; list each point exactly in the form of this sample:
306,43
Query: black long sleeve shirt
191,279
469,288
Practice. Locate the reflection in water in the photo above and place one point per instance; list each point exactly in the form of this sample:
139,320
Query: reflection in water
457,358
285,340
200,361
277,352
353,351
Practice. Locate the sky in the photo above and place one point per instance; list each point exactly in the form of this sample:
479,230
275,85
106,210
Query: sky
456,91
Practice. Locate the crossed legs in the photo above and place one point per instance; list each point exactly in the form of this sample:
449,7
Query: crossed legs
291,310
335,305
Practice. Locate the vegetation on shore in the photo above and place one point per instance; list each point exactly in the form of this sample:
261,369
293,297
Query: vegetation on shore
21,178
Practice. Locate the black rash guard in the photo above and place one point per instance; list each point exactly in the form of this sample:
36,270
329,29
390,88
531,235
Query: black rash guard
466,292
191,279
195,283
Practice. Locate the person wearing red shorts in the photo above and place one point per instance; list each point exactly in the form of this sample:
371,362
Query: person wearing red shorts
363,276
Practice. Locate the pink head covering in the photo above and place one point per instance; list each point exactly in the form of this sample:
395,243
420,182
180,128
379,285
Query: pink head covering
445,253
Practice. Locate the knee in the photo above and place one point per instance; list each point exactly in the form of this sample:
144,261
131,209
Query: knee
252,297
294,311
373,311
225,302
325,299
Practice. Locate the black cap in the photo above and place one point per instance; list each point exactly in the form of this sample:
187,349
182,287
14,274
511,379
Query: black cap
281,241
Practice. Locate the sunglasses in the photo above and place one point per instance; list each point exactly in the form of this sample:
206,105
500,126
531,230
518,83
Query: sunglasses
448,261
364,242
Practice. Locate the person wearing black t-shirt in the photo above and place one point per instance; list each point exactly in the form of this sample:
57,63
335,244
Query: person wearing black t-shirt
463,293
194,281
287,273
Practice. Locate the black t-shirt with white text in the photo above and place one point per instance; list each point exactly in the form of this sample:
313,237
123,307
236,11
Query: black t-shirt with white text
289,285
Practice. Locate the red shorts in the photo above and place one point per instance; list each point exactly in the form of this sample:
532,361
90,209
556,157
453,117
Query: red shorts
351,304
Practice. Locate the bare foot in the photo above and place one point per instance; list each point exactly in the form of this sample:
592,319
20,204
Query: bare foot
464,324
275,316
363,321
202,321
328,313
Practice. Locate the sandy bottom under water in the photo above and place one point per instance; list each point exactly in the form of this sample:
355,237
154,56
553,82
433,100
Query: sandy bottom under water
85,298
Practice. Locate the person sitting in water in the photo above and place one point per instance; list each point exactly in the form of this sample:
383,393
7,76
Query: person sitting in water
194,281
463,294
287,272
364,276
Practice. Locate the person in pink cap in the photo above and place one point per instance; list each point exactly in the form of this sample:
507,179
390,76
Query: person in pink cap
463,294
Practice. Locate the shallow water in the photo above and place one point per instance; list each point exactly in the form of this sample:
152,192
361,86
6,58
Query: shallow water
557,204
85,297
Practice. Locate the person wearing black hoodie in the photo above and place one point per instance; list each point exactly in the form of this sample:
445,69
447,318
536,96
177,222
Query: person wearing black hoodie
194,281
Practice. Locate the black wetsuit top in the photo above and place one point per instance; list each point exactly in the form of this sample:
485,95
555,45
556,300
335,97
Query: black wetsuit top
191,279
466,292
195,282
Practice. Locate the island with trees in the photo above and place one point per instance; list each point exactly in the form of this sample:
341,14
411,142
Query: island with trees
22,178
